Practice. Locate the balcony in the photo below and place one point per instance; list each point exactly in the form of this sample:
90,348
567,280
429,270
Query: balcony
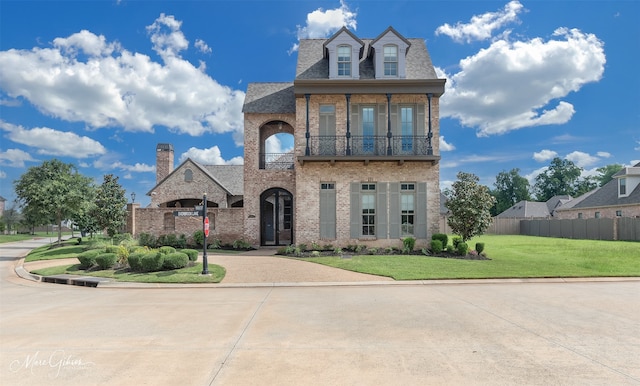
369,148
276,161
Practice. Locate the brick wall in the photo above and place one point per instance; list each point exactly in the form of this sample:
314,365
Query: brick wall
605,212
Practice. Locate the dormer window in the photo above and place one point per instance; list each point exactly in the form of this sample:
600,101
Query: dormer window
390,60
344,61
622,186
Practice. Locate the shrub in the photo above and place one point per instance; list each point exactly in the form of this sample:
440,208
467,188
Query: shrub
337,251
450,248
175,260
241,244
436,246
182,241
122,237
409,243
388,250
111,248
479,247
191,253
152,261
315,246
442,237
135,261
123,254
315,253
360,248
214,244
372,251
327,247
424,251
165,250
88,258
147,240
198,238
456,240
303,247
106,260
79,240
462,248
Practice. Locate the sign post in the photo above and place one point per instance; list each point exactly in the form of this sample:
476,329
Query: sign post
205,229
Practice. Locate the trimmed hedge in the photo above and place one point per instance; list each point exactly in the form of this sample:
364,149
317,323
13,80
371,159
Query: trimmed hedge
192,253
152,262
88,258
444,239
175,260
479,247
165,250
135,261
106,260
111,249
462,248
436,246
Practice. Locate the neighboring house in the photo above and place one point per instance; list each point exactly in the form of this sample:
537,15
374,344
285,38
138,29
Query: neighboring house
364,116
533,209
2,202
620,197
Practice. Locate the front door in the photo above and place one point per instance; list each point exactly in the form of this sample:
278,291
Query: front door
276,217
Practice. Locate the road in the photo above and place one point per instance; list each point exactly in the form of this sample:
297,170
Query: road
476,333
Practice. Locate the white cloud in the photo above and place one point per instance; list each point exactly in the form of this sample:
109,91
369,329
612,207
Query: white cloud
275,144
481,27
513,85
3,174
582,159
475,159
321,23
603,154
202,46
107,163
113,87
531,177
544,155
444,146
210,156
15,158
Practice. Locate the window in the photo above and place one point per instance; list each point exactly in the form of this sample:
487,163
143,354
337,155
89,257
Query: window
407,207
368,205
328,210
597,215
287,210
391,60
368,129
618,213
579,215
188,175
406,127
622,186
327,130
344,61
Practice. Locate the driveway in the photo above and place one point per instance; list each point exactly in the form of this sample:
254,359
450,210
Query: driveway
478,333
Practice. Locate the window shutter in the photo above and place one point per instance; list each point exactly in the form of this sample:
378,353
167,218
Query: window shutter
355,212
382,120
420,228
327,214
394,121
394,210
381,210
420,119
356,127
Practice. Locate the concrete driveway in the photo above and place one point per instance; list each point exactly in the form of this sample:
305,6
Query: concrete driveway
500,332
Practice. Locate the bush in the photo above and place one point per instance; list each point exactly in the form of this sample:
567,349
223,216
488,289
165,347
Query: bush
111,249
436,246
372,251
175,260
450,248
462,248
444,239
191,253
122,237
408,243
315,253
315,246
147,240
213,244
479,247
152,261
337,251
135,261
88,258
106,260
241,244
198,238
456,240
165,250
303,247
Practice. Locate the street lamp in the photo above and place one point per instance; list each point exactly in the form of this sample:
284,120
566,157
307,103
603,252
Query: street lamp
205,231
133,197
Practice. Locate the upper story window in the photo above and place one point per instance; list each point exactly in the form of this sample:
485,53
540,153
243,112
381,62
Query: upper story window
344,61
390,60
188,175
622,186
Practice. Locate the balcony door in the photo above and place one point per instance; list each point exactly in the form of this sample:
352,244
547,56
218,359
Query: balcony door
276,217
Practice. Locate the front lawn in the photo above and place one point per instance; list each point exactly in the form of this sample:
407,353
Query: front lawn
511,257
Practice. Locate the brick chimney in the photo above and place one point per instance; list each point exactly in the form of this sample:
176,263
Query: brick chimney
164,161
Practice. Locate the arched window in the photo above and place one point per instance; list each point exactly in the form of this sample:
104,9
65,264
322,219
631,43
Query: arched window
188,175
344,61
391,60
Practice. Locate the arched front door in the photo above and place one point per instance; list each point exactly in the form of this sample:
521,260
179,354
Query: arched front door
276,217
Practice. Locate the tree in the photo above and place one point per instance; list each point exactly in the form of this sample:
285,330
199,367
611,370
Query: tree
110,205
53,190
511,188
11,218
606,173
559,179
470,205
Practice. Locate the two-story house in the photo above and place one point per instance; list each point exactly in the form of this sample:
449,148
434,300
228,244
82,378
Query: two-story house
364,115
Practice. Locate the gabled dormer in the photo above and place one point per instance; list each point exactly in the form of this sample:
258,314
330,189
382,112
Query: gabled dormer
628,179
344,51
389,52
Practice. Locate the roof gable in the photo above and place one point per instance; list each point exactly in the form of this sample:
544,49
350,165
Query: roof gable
226,179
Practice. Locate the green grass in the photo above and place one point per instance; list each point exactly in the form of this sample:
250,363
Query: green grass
21,237
511,257
184,275
68,249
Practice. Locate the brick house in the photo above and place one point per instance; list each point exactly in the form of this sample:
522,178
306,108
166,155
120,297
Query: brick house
364,115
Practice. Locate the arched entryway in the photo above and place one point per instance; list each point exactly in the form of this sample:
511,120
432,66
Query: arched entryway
276,217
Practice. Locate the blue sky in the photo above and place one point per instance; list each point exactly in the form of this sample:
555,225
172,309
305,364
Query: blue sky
100,83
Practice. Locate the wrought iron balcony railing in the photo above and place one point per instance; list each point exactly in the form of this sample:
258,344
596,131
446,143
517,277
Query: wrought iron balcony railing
279,161
374,145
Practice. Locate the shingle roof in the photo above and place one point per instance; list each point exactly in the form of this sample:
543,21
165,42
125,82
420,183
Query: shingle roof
269,98
230,177
607,195
313,65
526,209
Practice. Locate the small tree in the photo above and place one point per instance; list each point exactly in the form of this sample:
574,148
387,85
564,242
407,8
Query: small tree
470,205
110,208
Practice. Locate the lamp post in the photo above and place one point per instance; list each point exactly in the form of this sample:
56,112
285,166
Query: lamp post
205,230
133,197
